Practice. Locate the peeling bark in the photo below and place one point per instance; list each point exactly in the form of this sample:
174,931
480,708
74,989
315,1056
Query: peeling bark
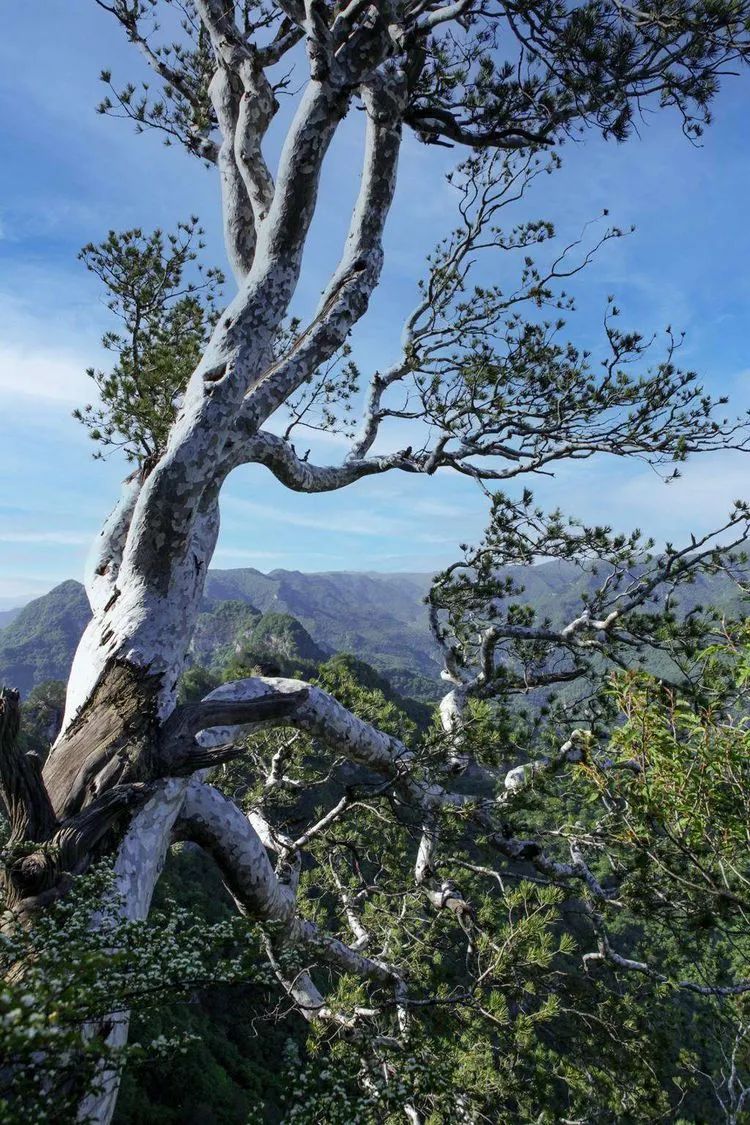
112,740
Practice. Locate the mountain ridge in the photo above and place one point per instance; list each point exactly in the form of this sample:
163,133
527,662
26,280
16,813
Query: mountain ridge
377,616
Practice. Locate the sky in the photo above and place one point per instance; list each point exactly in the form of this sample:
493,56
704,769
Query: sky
68,175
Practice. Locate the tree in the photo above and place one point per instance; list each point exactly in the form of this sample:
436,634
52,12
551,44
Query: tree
166,323
494,392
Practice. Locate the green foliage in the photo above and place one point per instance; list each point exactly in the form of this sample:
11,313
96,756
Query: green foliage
507,1027
345,668
499,1021
38,645
339,677
231,1035
195,683
684,796
534,1043
41,716
166,318
286,638
78,963
694,765
611,1045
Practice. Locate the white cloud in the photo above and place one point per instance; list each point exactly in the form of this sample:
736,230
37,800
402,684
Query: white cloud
345,522
39,353
625,496
51,323
232,556
243,553
699,500
44,373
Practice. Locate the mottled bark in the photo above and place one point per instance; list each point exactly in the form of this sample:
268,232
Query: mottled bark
138,864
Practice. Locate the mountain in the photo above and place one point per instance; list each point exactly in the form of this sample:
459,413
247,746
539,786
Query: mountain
228,629
8,615
39,642
222,628
555,590
378,618
282,635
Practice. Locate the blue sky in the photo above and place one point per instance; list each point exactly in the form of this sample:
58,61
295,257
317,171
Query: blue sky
67,176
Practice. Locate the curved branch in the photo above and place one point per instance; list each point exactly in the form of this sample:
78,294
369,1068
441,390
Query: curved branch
103,563
322,716
432,122
278,455
237,354
138,865
180,753
606,952
255,103
197,140
239,219
218,825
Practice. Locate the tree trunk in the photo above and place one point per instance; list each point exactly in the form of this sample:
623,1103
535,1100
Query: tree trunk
139,862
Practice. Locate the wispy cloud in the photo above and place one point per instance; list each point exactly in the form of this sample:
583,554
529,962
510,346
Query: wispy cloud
52,314
269,560
35,372
628,496
346,522
700,500
16,589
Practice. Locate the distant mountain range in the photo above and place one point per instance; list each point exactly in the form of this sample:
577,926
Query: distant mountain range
380,618
39,641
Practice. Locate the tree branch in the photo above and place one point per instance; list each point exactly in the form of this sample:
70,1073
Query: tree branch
218,825
180,753
278,455
347,295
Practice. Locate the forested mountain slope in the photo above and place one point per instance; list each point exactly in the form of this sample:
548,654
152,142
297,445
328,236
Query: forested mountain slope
8,615
380,618
39,643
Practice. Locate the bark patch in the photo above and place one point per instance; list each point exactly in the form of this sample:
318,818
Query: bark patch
112,741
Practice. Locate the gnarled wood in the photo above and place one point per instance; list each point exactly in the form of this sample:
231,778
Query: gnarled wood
29,809
111,741
181,754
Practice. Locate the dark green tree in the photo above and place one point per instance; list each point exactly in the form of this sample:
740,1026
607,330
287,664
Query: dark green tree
166,302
